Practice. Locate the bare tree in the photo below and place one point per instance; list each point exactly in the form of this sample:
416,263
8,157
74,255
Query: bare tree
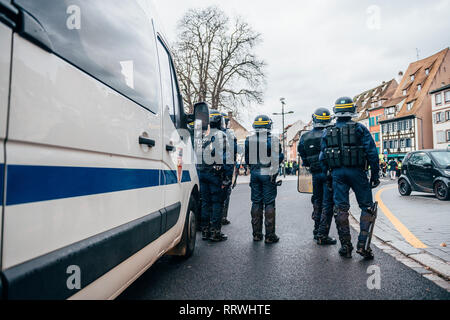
216,62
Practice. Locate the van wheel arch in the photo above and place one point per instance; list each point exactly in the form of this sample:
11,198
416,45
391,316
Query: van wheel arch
186,247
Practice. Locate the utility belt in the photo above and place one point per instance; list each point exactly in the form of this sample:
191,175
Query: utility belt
314,164
352,157
259,166
215,169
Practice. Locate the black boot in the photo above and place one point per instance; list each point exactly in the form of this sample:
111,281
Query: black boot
272,238
225,222
257,221
270,214
324,241
205,233
258,237
217,236
316,215
366,254
346,250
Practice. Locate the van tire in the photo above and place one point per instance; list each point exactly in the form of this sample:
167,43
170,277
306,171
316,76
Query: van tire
185,249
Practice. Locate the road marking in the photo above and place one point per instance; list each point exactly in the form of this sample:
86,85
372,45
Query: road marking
412,239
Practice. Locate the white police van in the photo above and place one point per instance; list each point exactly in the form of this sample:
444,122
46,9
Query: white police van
95,180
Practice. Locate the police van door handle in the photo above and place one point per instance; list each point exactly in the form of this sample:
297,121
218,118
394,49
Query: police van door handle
170,148
149,142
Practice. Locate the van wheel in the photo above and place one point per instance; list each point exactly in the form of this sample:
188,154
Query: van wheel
404,188
441,191
186,247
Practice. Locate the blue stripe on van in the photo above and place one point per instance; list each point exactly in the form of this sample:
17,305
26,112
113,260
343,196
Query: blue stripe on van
2,180
26,184
186,177
170,177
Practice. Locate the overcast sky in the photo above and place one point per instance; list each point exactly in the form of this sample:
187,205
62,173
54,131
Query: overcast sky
318,51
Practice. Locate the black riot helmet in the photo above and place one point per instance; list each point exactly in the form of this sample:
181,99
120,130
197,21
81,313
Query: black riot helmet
321,118
215,119
345,108
262,122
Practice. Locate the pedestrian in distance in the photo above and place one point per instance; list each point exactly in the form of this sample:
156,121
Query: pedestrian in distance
347,149
393,169
309,151
263,154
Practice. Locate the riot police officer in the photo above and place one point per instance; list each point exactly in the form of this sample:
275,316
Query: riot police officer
263,154
232,142
215,175
347,149
309,150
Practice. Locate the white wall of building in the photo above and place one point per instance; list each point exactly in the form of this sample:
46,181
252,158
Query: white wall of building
441,119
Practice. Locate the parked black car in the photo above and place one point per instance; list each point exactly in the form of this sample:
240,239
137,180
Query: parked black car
426,171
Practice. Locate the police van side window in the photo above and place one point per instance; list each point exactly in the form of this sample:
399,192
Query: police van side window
176,96
112,40
168,85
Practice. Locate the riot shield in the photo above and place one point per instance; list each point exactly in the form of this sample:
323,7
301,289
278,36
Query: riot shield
305,182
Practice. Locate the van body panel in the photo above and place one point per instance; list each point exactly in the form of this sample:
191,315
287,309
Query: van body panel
80,188
52,124
5,67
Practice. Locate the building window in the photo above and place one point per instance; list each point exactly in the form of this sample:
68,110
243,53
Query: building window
413,77
448,135
385,145
440,117
377,137
447,115
419,87
410,106
395,126
441,138
405,92
408,125
408,143
427,71
447,96
438,99
402,143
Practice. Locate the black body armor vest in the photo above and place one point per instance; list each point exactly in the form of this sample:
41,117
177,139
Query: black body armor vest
258,143
344,148
312,141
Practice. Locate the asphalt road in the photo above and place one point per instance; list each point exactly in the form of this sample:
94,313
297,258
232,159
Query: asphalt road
296,268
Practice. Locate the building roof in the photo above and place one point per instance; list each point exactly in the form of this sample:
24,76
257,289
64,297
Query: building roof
440,89
413,94
364,100
239,130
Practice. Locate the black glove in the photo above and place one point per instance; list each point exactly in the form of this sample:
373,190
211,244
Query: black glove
375,181
226,183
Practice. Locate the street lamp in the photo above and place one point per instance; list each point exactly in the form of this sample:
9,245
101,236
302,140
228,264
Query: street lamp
283,104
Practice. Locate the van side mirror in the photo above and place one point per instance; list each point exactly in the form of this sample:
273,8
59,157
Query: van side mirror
201,113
